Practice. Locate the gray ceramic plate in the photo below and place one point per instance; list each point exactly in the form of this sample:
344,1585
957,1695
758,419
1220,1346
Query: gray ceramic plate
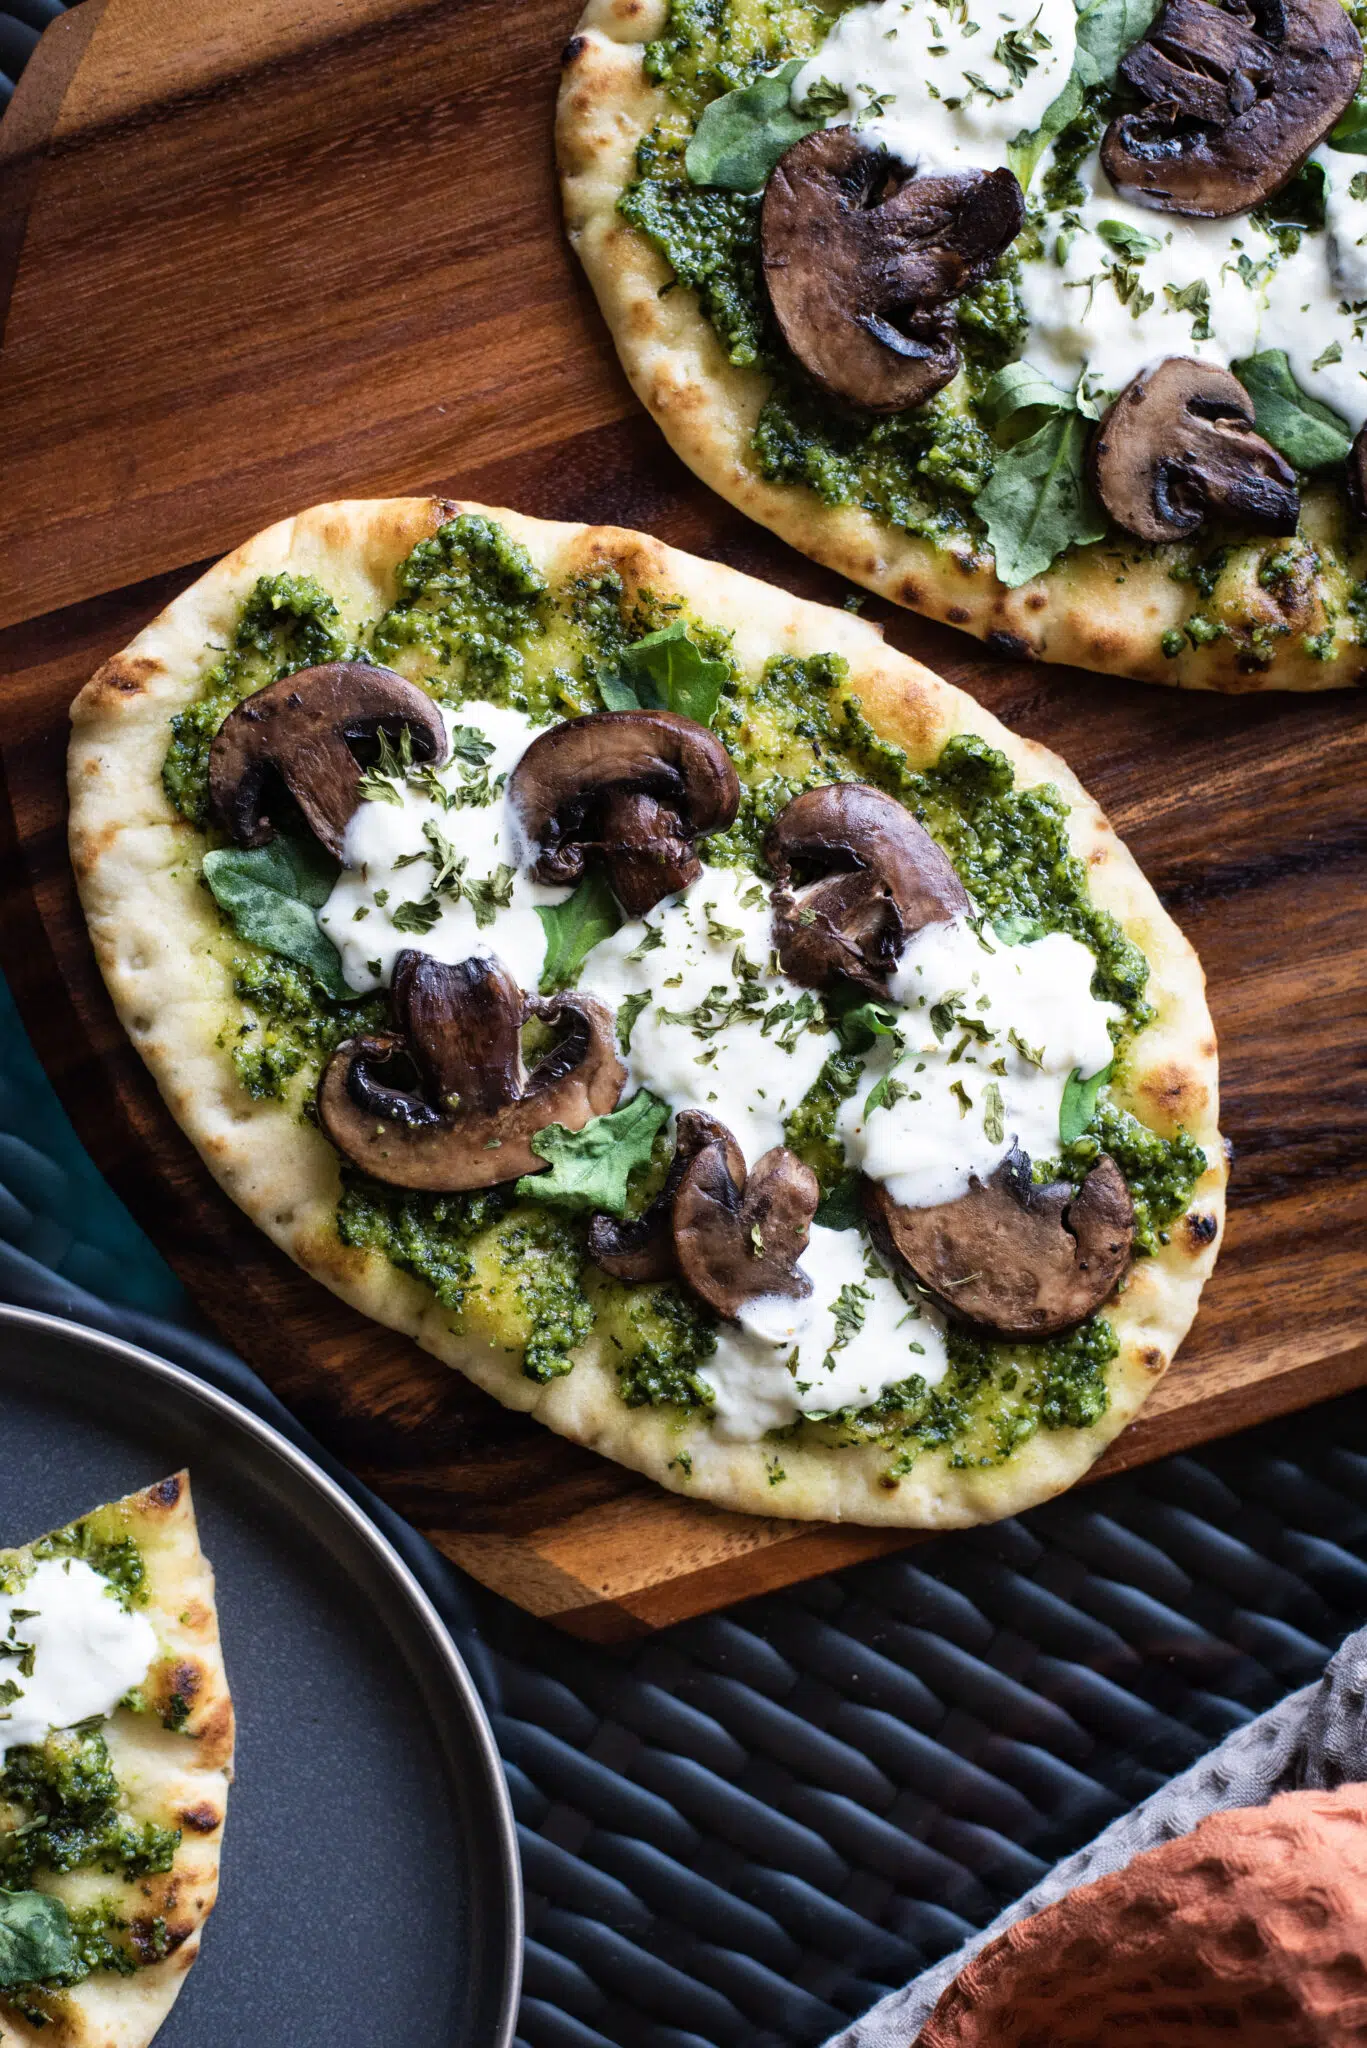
370,1879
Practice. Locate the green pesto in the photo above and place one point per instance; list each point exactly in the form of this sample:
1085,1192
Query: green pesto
515,1275
287,623
70,1799
116,1558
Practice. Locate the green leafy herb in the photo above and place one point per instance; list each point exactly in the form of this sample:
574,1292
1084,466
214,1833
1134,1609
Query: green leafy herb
1131,242
36,1939
1033,1055
574,928
628,1010
589,1168
469,744
491,894
380,783
1334,352
1038,501
1015,929
1194,299
823,99
857,1028
1307,433
1078,1106
843,1207
417,917
885,1093
742,135
270,893
1022,396
1350,132
666,672
994,1114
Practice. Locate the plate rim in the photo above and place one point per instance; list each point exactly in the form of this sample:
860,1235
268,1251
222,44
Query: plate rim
336,1499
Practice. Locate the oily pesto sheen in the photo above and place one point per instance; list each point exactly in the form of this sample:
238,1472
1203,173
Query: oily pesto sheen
68,1650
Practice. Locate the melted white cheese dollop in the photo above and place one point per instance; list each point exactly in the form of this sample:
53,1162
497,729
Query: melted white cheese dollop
389,863
854,1335
744,1047
947,1111
947,86
70,1649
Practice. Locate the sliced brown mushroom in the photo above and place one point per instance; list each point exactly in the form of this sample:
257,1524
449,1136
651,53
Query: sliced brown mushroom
644,1248
737,1237
303,728
470,1121
1178,444
857,876
1019,1260
1237,98
637,788
864,263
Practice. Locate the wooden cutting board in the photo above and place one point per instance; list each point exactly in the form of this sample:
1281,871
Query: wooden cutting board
262,252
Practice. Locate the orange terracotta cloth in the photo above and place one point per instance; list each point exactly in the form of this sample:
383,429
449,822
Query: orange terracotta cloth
1251,1931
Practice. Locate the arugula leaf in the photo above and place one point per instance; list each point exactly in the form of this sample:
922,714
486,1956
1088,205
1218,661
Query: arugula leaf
270,893
1350,132
742,135
858,1024
1307,433
1038,501
1078,1106
589,1168
666,672
573,928
417,917
1020,388
36,1940
1106,29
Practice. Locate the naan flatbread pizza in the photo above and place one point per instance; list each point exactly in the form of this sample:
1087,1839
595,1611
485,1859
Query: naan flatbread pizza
697,1023
1048,321
116,1749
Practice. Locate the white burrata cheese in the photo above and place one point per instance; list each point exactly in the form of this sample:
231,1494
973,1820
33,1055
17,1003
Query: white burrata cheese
944,87
990,1035
713,1024
851,1337
69,1648
389,862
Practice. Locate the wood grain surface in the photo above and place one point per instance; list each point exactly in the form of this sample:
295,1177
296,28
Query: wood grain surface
269,251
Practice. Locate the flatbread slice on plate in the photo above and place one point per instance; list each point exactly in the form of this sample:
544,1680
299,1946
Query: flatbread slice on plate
116,1749
700,1025
931,294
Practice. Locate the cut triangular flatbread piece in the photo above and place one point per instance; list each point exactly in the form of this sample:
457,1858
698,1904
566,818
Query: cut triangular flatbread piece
116,1745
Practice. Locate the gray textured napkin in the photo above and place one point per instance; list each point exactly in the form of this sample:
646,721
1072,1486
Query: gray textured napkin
1315,1739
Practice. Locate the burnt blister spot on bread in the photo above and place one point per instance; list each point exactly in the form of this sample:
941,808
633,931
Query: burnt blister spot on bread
202,1819
1009,644
1201,1231
573,50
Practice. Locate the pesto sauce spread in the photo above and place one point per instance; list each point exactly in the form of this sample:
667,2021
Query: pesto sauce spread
919,472
474,620
62,1808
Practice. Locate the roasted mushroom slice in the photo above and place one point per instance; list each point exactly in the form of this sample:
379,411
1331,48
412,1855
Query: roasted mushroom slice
739,1238
1179,444
471,1118
1237,98
644,1248
1019,1260
864,262
857,876
302,728
638,788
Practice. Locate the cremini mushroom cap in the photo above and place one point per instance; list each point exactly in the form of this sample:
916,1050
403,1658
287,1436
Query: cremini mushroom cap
643,1249
864,263
738,1238
1019,1260
1237,98
1178,444
302,728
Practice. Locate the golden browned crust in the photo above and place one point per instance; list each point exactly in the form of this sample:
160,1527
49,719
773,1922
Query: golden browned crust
1104,607
168,966
175,1776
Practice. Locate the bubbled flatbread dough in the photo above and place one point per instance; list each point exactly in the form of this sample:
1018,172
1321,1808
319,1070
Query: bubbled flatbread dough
160,945
1104,607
